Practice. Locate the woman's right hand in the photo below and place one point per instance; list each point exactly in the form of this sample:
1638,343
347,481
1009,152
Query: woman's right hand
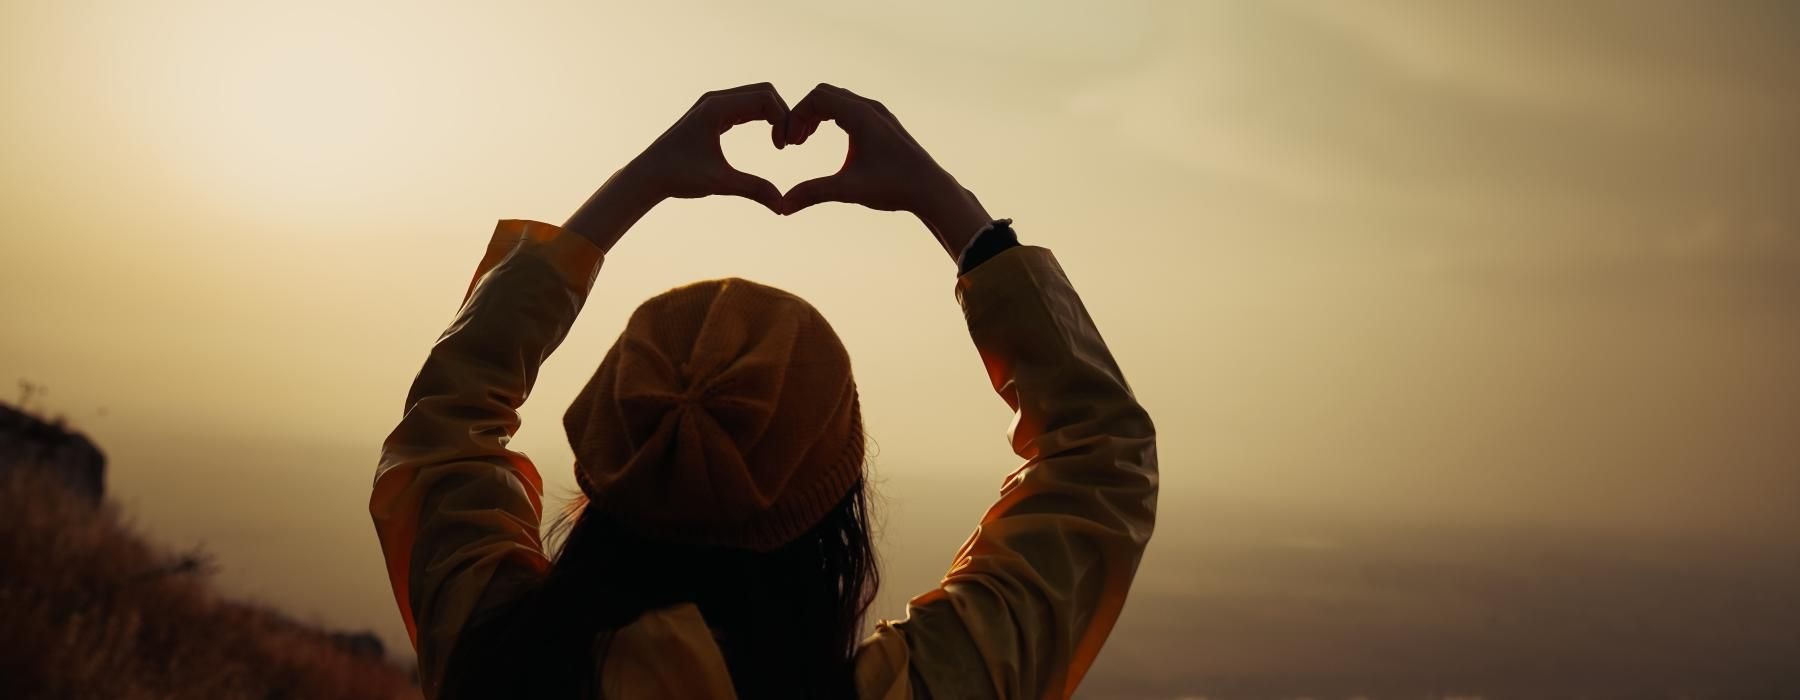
686,162
886,168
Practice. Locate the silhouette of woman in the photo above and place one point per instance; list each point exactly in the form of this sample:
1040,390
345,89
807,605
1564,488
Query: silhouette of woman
723,545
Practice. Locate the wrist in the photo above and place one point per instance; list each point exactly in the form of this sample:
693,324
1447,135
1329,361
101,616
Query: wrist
613,208
954,217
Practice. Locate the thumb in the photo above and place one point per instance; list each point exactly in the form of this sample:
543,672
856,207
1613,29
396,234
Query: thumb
751,187
831,188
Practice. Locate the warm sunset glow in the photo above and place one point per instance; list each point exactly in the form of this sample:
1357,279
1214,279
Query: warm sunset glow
1530,268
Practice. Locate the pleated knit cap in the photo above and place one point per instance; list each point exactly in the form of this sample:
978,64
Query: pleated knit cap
725,414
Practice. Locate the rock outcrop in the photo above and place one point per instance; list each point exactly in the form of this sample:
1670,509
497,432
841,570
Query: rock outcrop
30,442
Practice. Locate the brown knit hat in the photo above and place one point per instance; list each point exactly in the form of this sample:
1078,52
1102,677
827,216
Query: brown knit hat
725,414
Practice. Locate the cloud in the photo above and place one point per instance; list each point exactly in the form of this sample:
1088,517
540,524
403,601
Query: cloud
1644,61
1655,131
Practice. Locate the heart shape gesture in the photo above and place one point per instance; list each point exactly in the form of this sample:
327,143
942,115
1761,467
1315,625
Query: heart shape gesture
885,168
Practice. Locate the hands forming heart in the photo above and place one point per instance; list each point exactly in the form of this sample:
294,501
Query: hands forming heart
885,168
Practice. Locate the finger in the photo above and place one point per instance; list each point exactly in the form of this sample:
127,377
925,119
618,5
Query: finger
879,111
756,189
748,103
831,188
892,121
825,103
821,104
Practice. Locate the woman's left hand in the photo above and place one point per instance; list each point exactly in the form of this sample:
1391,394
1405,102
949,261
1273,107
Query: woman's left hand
686,162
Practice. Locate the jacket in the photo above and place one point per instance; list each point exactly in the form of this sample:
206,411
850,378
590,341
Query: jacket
1023,610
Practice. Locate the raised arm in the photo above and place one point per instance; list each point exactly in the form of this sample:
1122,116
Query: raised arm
457,512
1038,586
1034,592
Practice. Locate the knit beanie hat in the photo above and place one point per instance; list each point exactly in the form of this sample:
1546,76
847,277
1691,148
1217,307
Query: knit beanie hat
725,414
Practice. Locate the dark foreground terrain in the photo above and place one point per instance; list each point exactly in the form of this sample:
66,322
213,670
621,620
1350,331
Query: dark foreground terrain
89,609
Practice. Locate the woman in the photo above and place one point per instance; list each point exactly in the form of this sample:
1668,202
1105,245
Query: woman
724,546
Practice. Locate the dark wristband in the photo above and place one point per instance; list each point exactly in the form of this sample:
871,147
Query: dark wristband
993,239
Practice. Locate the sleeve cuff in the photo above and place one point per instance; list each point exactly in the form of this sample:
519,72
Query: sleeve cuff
576,259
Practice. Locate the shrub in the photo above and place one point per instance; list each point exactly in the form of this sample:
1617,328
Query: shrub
88,609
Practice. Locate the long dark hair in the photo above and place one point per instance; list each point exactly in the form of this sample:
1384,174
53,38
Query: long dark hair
788,621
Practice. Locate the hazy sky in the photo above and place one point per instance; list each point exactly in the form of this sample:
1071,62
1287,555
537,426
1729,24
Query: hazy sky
1517,263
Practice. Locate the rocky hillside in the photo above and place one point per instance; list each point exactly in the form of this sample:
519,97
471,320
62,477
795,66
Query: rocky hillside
27,441
89,609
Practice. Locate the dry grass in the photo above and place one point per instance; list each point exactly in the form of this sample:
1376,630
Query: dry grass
88,609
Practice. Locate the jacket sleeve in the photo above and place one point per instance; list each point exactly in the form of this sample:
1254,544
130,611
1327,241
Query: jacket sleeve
457,512
1033,593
